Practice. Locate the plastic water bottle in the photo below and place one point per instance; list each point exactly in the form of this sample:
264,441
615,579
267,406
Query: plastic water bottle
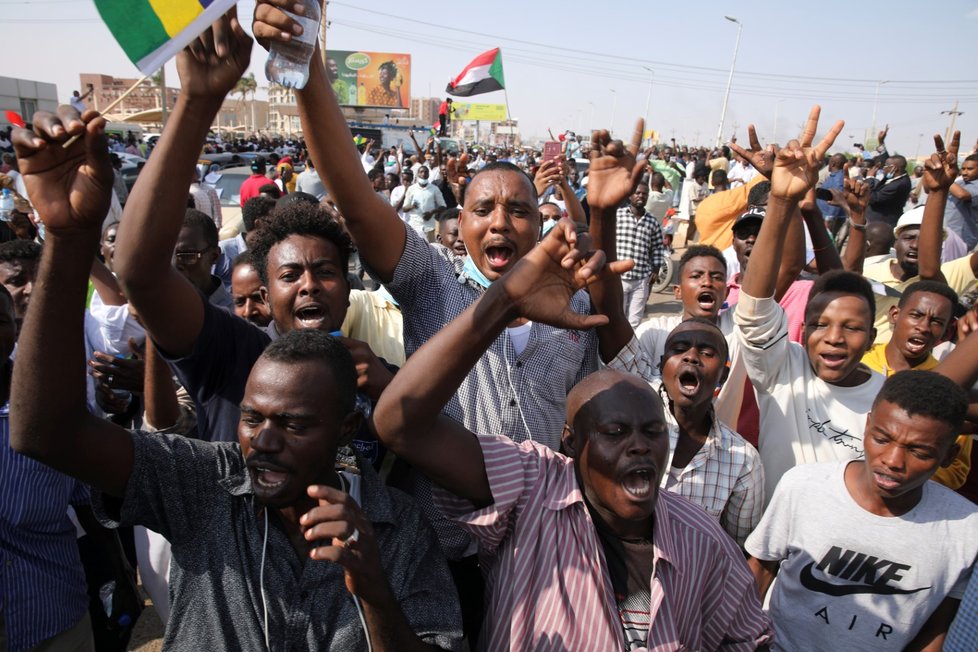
105,593
6,205
288,63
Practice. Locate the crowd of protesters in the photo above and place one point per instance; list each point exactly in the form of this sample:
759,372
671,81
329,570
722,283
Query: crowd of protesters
494,447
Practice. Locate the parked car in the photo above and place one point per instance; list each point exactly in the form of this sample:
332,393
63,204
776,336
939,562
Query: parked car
228,186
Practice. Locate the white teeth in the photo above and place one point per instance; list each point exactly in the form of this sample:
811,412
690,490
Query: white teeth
638,484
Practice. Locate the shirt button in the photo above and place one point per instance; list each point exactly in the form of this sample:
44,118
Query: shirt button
512,402
519,364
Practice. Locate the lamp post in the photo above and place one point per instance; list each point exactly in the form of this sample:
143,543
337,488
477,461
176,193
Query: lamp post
648,101
876,101
614,109
777,112
733,64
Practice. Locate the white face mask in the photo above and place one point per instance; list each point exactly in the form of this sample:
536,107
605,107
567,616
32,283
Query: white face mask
422,182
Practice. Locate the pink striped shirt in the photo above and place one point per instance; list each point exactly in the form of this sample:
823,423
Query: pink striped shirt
547,580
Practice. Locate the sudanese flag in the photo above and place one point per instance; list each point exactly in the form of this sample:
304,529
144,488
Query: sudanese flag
483,75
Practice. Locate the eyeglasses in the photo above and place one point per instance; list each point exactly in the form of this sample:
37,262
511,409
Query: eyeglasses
188,257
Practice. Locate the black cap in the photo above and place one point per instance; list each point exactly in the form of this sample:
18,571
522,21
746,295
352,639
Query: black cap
258,165
752,213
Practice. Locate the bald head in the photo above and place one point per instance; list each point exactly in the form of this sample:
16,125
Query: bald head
620,385
879,238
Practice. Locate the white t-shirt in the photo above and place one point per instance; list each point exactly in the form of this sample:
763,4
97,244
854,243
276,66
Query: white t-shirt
519,336
852,580
803,419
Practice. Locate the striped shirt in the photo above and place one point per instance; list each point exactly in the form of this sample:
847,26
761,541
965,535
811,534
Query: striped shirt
42,584
548,583
640,240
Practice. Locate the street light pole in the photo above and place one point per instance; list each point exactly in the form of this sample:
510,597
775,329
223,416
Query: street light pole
726,94
876,101
777,111
648,102
614,109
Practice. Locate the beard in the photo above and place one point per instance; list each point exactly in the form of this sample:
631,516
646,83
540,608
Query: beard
909,268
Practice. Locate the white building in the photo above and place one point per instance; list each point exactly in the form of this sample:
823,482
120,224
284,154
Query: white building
26,96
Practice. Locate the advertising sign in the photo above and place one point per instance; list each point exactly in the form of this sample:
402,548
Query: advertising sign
375,79
472,111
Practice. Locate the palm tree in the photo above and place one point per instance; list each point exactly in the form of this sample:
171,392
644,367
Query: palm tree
243,87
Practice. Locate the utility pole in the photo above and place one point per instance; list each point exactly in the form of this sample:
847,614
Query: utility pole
163,111
733,64
954,113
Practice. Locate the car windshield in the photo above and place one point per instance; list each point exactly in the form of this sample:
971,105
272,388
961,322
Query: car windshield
229,187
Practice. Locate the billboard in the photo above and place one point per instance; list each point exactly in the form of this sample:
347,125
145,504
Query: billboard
472,111
379,79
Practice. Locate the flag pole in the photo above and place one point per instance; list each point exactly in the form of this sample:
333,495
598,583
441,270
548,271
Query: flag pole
111,106
509,118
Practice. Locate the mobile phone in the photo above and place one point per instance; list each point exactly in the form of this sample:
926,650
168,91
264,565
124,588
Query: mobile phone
823,193
551,151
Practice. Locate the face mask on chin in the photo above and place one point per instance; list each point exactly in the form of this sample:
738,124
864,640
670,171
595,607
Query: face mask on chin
422,182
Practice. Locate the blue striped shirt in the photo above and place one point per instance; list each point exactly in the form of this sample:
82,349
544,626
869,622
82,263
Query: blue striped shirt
42,583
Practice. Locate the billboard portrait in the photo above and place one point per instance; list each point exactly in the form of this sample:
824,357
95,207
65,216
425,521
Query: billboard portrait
374,79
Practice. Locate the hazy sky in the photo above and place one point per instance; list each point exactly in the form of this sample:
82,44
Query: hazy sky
578,65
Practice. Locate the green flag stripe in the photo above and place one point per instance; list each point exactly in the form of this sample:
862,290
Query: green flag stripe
496,70
134,25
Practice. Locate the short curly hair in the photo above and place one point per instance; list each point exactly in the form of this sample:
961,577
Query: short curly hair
701,251
301,345
298,218
914,392
19,250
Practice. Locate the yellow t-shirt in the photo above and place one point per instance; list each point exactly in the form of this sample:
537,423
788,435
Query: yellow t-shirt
960,278
376,321
952,476
715,215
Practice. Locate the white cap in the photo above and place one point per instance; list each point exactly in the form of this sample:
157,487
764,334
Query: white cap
913,217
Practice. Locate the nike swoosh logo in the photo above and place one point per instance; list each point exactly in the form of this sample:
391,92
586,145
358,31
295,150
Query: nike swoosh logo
812,583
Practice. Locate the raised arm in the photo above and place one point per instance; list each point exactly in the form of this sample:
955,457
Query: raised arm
49,419
857,201
171,309
795,171
940,171
408,419
373,222
826,255
613,175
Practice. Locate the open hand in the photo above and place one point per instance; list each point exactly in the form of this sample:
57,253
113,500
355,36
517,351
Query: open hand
70,188
117,373
881,136
542,283
762,158
212,65
346,538
796,165
941,169
614,170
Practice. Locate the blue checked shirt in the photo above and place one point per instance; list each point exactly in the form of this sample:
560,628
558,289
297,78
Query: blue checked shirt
641,241
42,584
963,635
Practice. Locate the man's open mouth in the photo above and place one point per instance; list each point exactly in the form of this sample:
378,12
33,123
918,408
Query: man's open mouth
499,256
707,301
310,316
638,483
917,345
688,383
